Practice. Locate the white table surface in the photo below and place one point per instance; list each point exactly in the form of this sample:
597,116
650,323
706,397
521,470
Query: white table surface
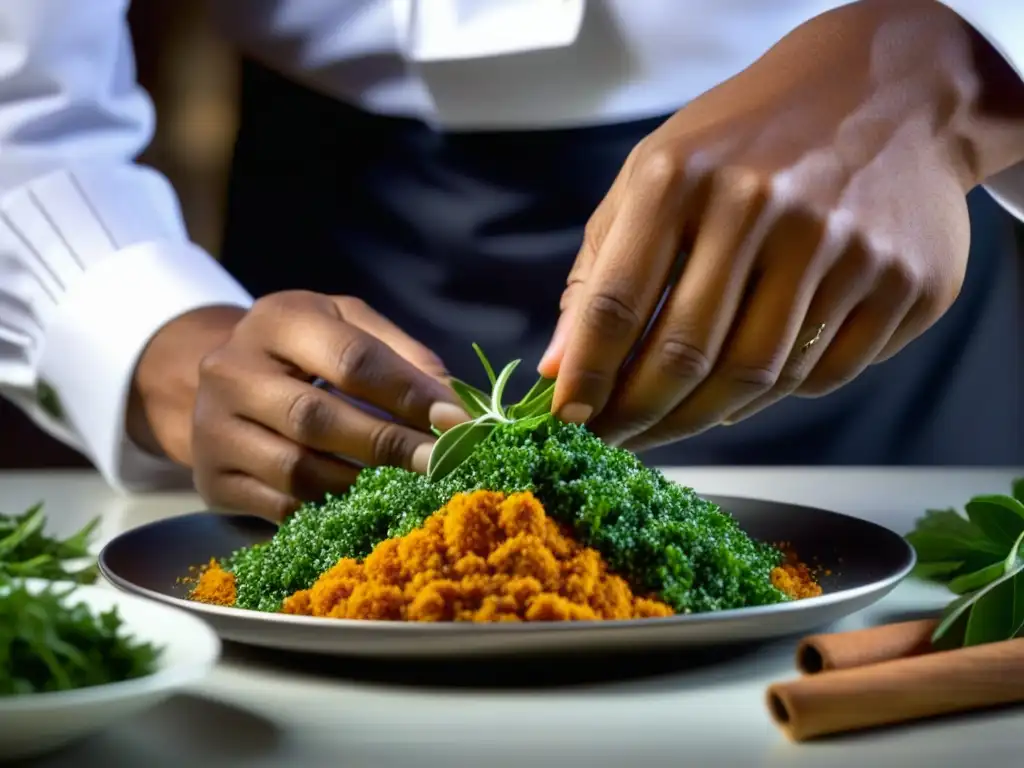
308,712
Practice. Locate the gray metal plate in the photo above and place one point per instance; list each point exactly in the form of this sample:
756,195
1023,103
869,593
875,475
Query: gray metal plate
866,561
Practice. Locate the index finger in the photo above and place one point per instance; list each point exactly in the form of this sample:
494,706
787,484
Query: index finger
621,292
357,364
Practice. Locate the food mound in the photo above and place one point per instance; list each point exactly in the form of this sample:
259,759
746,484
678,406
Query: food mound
446,546
484,557
627,522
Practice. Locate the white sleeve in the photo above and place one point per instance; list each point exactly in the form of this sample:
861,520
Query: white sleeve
94,256
1001,22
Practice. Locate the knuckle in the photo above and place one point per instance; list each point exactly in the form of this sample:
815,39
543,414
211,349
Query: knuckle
790,378
355,359
352,304
215,366
743,187
287,462
753,378
594,232
278,508
285,299
659,168
683,360
390,445
611,315
306,417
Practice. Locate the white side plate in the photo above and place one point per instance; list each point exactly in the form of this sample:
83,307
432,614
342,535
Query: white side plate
37,723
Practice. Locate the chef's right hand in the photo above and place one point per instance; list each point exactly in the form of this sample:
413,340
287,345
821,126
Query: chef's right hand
264,439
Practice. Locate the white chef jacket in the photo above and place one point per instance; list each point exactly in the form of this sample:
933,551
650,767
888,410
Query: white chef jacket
94,255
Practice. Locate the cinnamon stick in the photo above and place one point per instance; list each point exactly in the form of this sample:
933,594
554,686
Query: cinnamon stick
900,690
845,650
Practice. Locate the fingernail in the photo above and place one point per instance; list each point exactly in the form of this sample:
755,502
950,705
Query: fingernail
727,423
421,457
446,415
575,413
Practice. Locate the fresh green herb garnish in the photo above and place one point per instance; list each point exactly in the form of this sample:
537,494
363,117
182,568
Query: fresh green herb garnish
50,643
487,411
26,551
979,557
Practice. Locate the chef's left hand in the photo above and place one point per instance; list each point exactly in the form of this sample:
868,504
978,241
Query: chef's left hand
819,195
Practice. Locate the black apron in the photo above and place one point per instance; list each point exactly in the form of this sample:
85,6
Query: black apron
463,237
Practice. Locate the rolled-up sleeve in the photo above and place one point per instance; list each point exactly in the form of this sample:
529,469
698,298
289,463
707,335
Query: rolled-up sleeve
94,255
1001,22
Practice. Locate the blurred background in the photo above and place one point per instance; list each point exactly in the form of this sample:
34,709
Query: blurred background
191,76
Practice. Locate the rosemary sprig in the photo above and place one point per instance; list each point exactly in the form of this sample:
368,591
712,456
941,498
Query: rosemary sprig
487,411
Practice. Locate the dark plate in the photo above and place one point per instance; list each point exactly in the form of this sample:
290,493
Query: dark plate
866,562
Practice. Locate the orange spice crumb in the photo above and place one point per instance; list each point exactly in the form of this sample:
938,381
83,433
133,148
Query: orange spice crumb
484,557
214,585
795,578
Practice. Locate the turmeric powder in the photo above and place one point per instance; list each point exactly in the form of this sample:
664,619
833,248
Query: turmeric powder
214,586
484,557
796,580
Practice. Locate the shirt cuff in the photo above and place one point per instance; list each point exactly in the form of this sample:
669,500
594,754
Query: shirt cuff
99,330
1001,23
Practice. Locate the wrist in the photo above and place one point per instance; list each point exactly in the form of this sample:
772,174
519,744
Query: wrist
926,53
166,378
913,67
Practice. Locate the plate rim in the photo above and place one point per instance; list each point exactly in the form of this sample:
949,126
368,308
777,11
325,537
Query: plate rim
439,628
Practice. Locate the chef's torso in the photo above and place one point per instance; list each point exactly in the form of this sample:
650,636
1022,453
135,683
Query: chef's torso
468,64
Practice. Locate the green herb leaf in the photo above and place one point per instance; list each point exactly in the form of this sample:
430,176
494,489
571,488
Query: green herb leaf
455,445
1000,517
991,618
1018,605
476,402
487,411
49,642
940,571
499,387
1014,556
537,402
1018,489
26,551
31,523
943,538
486,363
947,536
970,582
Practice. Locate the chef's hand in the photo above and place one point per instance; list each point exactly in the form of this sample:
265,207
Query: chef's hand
820,197
263,438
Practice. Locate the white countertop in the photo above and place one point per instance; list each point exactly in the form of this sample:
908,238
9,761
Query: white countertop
271,711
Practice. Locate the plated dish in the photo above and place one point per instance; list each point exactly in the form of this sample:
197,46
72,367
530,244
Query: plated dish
520,520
